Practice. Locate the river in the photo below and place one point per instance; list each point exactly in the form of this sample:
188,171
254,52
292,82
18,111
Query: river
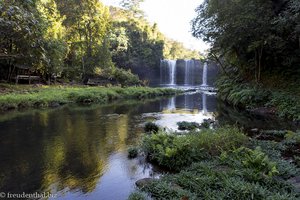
80,152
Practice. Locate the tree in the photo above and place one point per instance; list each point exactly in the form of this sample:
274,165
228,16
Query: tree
249,36
54,38
21,39
133,7
87,23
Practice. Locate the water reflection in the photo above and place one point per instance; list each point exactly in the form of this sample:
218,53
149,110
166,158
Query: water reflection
80,152
67,149
192,107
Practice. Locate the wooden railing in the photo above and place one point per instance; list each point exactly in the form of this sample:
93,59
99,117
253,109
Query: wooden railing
27,77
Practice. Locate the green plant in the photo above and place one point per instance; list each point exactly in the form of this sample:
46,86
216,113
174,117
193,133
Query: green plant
44,96
205,124
293,136
137,196
132,152
255,160
188,125
151,127
125,77
176,152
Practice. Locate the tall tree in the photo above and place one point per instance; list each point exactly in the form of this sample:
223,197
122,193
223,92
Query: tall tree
54,36
252,37
87,23
21,39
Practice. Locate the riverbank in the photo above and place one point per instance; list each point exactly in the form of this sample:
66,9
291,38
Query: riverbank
263,99
19,97
223,164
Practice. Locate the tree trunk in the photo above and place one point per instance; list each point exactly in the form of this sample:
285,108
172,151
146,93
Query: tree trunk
255,72
260,63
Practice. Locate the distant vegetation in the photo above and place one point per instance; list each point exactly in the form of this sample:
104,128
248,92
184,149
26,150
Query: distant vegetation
76,40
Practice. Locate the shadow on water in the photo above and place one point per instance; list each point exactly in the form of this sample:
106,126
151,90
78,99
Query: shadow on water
81,152
228,115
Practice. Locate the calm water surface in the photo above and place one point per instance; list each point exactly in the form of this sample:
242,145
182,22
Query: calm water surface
81,152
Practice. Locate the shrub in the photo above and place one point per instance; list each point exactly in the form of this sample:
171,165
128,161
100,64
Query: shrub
255,160
293,136
205,124
188,125
137,196
125,77
176,152
211,180
132,152
151,127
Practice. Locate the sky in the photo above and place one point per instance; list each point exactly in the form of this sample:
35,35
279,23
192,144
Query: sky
173,18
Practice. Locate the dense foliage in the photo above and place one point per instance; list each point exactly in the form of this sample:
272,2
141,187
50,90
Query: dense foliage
176,152
221,164
77,40
254,39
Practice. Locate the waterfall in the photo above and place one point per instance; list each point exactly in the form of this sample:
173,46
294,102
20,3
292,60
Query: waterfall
168,72
204,77
189,72
172,67
186,73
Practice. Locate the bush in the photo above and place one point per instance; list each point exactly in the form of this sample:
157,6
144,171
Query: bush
293,136
242,94
125,77
255,160
132,152
137,196
176,152
188,125
212,180
205,124
249,95
151,127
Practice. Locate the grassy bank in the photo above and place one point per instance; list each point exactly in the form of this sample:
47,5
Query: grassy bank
221,164
16,97
283,101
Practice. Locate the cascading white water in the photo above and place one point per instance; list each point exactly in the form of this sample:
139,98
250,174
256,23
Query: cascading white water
204,76
172,67
186,72
168,72
189,72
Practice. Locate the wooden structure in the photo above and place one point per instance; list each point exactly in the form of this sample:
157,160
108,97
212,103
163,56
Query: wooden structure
26,77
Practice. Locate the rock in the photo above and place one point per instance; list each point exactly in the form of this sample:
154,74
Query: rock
263,111
143,182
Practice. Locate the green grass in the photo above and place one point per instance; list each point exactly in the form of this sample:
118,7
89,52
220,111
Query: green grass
17,97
